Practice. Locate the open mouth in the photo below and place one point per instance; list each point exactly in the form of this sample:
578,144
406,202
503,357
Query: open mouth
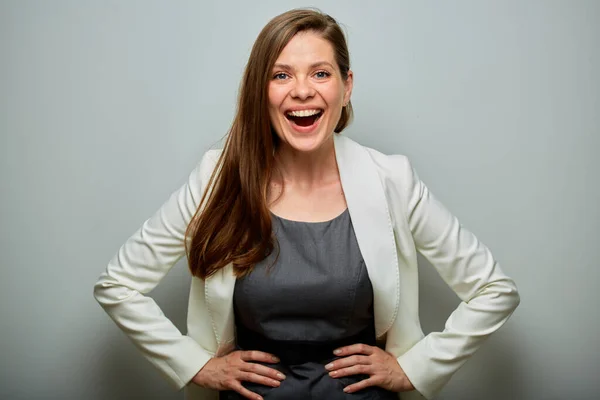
304,118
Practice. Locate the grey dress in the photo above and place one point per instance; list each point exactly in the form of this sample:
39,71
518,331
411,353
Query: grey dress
315,297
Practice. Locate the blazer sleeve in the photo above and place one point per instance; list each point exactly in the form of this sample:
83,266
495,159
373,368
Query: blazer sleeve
488,295
137,268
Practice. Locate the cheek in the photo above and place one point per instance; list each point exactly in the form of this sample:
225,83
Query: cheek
334,95
275,100
276,96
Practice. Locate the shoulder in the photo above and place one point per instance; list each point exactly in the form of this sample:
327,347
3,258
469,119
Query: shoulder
393,163
208,162
399,179
400,182
200,175
211,157
395,167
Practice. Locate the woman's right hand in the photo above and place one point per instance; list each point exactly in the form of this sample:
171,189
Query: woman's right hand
228,372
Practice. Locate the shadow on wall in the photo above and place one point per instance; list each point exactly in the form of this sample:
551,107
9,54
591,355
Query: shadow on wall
493,372
124,372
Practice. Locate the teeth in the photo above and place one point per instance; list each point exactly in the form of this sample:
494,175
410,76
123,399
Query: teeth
303,113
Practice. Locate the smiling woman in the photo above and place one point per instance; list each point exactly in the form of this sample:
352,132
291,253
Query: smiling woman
307,92
302,245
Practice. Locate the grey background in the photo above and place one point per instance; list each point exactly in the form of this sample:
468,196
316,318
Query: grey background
106,106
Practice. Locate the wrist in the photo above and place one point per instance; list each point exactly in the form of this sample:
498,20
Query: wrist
200,377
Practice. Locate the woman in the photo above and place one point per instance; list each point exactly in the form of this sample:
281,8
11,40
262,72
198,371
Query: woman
302,245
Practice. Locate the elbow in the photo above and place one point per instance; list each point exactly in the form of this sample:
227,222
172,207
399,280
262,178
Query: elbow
110,292
510,295
502,295
99,291
515,298
106,291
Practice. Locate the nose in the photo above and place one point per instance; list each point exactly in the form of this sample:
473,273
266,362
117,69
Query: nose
302,89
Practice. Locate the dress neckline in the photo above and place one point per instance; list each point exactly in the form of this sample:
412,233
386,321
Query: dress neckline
291,221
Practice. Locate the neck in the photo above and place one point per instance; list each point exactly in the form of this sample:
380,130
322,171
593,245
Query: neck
307,169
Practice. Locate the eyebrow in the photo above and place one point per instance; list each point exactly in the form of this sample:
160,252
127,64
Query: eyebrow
312,66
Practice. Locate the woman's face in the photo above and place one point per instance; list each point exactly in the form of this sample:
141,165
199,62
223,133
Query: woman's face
307,92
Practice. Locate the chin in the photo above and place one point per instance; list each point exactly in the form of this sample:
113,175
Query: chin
305,144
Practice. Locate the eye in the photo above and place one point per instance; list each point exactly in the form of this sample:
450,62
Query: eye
322,74
280,76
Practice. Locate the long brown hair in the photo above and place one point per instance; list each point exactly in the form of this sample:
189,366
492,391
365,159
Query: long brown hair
233,222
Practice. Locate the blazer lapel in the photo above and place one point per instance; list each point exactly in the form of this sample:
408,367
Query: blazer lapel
370,217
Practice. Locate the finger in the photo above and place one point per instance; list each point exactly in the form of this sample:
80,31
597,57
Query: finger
358,348
365,383
245,392
262,370
347,362
255,355
260,379
353,370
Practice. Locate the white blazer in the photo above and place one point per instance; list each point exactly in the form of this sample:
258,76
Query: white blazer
394,216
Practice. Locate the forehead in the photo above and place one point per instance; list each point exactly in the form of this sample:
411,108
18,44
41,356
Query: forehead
306,48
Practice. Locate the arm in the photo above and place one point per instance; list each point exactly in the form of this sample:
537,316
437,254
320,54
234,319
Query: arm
138,267
488,296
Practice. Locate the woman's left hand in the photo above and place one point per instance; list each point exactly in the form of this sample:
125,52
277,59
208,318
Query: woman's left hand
382,367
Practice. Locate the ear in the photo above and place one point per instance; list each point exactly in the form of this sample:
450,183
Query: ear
348,85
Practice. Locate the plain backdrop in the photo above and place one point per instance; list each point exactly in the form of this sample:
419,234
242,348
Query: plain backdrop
106,106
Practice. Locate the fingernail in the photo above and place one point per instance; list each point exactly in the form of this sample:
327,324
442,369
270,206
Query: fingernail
280,375
275,359
329,366
337,351
333,373
346,390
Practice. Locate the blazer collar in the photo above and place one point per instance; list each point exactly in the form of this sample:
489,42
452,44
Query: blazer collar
370,217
